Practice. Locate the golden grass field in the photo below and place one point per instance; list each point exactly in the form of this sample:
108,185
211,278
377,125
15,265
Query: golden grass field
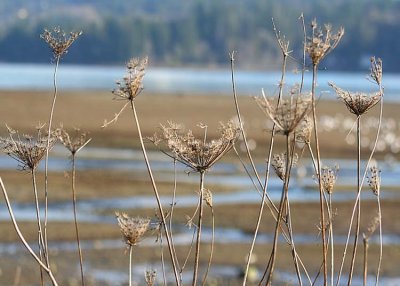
22,110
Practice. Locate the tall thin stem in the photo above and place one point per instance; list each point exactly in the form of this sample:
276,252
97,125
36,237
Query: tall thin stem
280,215
380,241
366,245
46,168
358,202
321,195
330,214
75,218
159,205
41,245
199,226
130,264
212,247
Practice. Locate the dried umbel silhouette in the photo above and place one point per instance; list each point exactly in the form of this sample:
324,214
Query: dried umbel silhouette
358,103
328,178
59,41
150,277
74,143
322,42
132,84
27,150
132,229
197,154
374,180
289,112
376,70
279,164
304,130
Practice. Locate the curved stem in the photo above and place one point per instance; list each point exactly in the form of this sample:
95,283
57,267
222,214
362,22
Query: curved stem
160,208
330,214
46,168
318,161
199,225
22,238
76,220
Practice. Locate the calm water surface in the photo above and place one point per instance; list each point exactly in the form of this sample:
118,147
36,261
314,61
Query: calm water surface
182,80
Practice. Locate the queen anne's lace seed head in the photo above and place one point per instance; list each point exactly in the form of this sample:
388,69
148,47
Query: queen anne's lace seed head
27,150
328,178
322,42
198,154
357,103
374,180
279,164
304,130
150,277
73,143
132,229
289,112
59,41
132,84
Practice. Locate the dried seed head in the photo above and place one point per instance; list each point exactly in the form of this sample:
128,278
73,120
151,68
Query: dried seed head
207,196
328,178
321,42
376,70
279,164
150,277
59,41
374,180
358,103
199,154
132,84
374,223
132,229
304,130
73,143
27,150
289,112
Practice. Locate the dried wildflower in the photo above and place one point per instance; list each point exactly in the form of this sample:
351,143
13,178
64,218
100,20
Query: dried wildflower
279,164
374,180
27,150
150,277
357,102
73,143
207,196
304,130
199,155
328,178
132,229
372,226
376,70
289,113
131,85
321,42
59,41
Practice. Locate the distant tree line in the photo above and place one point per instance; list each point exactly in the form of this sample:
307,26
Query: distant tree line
203,32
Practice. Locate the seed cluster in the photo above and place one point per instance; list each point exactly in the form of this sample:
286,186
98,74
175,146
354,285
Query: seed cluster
132,229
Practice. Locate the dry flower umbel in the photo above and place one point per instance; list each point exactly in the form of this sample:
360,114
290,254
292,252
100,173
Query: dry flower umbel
131,85
197,154
59,41
279,164
376,70
321,42
150,277
374,180
289,113
132,229
304,130
27,150
328,178
357,102
73,143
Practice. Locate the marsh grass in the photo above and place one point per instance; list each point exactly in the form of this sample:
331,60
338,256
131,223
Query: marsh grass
293,116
